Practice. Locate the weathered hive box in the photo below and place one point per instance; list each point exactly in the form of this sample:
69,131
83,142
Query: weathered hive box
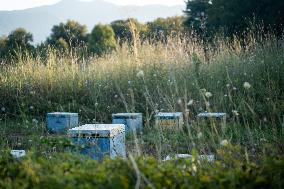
169,119
59,122
213,117
100,140
132,121
18,153
218,115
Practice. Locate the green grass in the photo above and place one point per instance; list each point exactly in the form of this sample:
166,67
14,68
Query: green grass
160,77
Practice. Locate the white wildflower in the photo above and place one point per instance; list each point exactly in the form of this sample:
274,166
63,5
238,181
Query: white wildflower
234,88
31,107
247,85
3,109
235,112
179,101
35,121
96,104
224,142
208,94
199,135
228,85
140,74
190,102
115,96
155,75
225,95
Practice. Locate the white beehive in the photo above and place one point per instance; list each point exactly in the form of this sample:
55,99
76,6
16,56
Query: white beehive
100,140
18,153
169,119
132,121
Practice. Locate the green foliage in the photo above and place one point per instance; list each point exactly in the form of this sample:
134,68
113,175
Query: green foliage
17,41
123,29
196,11
164,27
69,171
69,34
102,39
235,16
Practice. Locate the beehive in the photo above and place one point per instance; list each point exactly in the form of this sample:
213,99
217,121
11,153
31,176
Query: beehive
219,115
132,121
99,140
211,117
169,119
60,122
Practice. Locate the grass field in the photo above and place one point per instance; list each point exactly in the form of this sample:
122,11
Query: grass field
244,80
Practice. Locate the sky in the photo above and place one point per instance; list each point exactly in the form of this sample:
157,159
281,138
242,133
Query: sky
23,4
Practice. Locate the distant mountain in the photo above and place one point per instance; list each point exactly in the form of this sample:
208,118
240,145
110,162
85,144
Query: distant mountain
40,20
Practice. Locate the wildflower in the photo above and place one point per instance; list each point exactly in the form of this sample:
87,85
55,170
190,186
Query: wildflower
265,119
225,95
224,142
199,135
208,94
247,85
140,74
35,121
203,90
31,107
129,82
235,112
228,85
234,88
115,96
190,102
155,75
3,109
30,140
179,101
96,104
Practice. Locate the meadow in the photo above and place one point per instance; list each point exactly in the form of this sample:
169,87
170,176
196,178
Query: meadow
242,77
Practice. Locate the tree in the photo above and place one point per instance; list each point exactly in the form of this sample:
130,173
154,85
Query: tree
124,29
164,27
19,39
3,46
66,35
197,14
234,16
102,39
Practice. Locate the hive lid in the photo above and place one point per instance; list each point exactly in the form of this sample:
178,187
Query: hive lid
62,114
127,115
169,114
217,114
98,130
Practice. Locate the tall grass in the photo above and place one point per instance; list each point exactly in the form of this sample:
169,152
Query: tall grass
158,77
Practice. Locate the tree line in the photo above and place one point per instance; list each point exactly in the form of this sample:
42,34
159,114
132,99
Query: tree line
203,17
102,39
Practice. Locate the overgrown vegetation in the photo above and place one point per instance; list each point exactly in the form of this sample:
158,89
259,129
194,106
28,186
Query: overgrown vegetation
180,75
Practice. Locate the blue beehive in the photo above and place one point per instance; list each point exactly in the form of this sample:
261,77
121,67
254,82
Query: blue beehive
100,140
169,119
132,121
59,122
